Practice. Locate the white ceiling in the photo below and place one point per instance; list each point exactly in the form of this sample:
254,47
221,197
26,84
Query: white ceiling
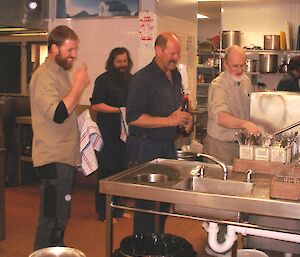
212,8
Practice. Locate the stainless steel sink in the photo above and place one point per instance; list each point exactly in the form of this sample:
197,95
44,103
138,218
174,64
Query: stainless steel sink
216,186
212,186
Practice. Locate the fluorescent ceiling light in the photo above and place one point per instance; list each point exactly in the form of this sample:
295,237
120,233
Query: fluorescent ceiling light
4,29
201,16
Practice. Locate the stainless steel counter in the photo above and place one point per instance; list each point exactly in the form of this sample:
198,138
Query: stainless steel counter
131,183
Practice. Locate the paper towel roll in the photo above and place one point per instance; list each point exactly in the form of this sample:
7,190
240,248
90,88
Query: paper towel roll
182,68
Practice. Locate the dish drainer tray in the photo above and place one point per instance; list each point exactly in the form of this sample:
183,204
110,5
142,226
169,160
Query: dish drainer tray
286,184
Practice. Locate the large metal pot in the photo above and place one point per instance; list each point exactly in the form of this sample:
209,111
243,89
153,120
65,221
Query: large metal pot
268,63
231,37
57,252
251,65
271,42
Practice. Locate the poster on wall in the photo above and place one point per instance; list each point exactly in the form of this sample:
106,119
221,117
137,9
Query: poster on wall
96,8
147,27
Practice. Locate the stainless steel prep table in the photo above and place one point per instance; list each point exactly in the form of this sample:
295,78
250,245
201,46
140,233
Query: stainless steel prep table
127,184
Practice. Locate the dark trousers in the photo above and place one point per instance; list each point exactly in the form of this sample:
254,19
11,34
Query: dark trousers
140,150
112,159
56,187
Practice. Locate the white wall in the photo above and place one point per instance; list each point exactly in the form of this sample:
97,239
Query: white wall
256,20
208,28
98,36
187,32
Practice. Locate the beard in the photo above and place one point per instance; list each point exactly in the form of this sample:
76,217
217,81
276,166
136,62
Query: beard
236,78
65,63
122,75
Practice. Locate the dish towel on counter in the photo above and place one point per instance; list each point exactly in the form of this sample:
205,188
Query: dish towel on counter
124,126
90,140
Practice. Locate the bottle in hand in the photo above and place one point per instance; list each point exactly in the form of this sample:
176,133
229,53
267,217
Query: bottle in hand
185,106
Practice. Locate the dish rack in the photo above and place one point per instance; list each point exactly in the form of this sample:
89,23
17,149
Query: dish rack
286,184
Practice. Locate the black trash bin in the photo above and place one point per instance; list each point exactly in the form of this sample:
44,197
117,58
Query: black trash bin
156,245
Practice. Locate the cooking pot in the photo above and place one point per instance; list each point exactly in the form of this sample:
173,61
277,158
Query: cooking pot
231,37
57,252
268,63
271,42
251,65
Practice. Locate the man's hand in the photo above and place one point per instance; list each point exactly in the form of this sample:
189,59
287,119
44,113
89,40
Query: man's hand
179,118
251,128
81,78
189,125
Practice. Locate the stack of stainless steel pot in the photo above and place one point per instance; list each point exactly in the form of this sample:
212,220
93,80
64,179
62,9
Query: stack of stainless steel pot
231,37
251,65
268,63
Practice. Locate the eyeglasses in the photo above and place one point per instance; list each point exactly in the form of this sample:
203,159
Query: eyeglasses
236,67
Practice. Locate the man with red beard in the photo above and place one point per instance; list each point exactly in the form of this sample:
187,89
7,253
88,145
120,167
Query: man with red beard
229,107
109,96
55,145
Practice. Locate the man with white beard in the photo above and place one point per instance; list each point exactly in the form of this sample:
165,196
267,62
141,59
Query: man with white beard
229,107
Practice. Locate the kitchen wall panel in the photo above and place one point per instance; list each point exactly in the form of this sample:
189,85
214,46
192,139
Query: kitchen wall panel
187,32
99,36
258,19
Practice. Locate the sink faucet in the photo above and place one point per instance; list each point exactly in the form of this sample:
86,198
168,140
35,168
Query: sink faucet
222,164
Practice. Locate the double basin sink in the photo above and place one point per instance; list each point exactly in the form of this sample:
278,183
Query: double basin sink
212,183
171,181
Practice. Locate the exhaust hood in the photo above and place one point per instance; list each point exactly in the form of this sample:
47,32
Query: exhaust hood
23,16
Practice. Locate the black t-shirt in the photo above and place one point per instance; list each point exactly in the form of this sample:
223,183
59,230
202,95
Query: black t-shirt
111,90
151,92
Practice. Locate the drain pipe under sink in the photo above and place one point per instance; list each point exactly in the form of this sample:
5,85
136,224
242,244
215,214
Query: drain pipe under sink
213,228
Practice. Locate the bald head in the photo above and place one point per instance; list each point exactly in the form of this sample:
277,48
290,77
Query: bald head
167,51
235,62
164,38
234,50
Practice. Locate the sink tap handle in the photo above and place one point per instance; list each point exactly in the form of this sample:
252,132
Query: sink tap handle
201,171
249,175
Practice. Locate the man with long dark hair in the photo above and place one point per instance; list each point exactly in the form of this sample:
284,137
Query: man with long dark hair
56,151
109,96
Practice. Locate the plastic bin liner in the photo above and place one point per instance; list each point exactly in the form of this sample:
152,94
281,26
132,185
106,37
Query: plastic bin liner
156,245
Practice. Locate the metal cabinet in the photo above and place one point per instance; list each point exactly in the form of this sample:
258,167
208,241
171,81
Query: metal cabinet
24,141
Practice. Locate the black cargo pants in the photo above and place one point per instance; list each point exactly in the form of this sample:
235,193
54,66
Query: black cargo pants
56,186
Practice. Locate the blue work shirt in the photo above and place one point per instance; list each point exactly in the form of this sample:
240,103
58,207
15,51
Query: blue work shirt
152,93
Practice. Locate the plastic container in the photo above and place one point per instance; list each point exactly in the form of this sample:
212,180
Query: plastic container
250,253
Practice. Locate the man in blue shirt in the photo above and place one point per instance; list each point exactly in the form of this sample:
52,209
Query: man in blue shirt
153,115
